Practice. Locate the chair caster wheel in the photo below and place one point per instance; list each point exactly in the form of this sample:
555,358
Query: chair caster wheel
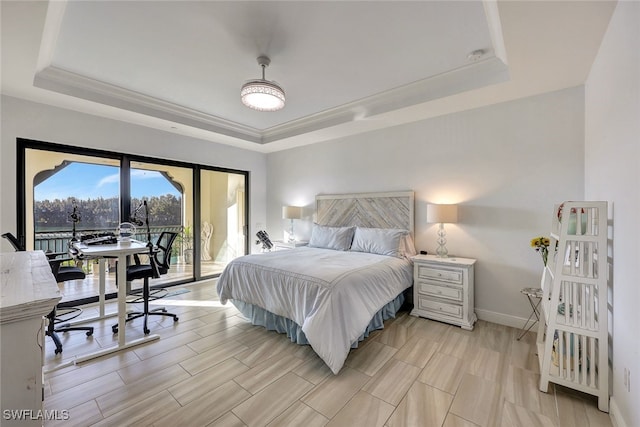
58,351
89,333
114,329
175,318
146,331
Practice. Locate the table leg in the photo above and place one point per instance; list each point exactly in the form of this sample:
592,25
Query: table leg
122,295
102,290
534,313
103,280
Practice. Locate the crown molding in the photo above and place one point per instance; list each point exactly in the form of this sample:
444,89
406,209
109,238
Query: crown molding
73,84
482,73
473,76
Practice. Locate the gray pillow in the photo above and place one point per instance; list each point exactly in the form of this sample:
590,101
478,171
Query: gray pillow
338,238
381,241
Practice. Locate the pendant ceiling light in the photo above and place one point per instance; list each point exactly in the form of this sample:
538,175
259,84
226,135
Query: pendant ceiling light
261,94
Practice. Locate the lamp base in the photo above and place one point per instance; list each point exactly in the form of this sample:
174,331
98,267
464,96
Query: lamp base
292,236
442,251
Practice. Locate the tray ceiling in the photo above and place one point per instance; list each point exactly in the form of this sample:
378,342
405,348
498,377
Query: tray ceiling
346,67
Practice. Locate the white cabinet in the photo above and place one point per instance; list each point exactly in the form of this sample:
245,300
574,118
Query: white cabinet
443,289
29,292
573,333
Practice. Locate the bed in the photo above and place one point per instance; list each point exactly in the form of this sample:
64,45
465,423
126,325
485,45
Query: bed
331,294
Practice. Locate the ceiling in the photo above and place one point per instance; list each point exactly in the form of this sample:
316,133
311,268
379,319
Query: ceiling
347,67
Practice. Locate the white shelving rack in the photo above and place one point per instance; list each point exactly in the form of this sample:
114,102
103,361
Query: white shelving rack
573,344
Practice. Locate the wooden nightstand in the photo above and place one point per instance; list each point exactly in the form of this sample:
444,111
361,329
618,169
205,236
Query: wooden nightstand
280,245
443,289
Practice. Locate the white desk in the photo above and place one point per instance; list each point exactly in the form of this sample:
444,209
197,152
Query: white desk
28,291
122,251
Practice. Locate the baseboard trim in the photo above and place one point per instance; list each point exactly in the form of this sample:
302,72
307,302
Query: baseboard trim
614,414
502,319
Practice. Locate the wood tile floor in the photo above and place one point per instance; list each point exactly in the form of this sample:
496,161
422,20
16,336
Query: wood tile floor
212,368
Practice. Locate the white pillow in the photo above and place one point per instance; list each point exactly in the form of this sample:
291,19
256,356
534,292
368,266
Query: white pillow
381,241
409,247
338,238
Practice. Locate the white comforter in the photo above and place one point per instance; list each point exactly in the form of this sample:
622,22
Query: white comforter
332,295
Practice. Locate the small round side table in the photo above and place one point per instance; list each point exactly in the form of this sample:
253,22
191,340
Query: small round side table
534,295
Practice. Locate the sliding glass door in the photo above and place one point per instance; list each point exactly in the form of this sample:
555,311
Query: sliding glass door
65,191
222,219
72,195
168,192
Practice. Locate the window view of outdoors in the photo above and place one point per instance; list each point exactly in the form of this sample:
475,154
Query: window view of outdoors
59,183
96,196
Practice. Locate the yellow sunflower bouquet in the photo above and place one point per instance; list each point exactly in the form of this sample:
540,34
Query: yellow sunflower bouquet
541,244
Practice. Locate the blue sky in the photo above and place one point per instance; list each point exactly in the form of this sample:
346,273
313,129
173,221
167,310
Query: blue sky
85,181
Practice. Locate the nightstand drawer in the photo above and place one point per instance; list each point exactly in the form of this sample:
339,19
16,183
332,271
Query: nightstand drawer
443,289
440,291
439,274
441,307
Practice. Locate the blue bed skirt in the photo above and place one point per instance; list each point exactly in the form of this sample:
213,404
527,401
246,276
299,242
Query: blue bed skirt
261,317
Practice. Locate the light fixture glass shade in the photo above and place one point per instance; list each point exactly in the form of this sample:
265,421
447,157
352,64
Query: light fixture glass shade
262,95
442,213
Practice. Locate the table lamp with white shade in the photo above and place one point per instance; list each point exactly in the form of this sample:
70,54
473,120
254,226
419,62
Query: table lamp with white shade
291,213
442,214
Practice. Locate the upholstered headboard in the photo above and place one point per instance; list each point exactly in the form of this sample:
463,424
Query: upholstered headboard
376,210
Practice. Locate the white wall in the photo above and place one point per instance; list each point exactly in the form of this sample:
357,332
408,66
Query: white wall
507,165
25,119
612,165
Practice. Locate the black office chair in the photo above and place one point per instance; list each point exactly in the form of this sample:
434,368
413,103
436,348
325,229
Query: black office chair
61,273
159,263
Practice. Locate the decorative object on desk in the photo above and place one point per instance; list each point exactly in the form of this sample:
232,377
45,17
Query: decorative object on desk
442,214
107,238
541,244
126,231
207,232
291,213
262,94
74,216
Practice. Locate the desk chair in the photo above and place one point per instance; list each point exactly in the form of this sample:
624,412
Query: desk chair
61,273
159,263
